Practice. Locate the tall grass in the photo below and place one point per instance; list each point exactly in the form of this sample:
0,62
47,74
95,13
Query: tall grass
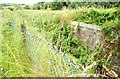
15,61
36,59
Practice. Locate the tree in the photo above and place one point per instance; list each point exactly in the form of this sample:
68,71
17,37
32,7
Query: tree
27,7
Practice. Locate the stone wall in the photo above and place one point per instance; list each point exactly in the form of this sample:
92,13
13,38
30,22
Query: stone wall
89,34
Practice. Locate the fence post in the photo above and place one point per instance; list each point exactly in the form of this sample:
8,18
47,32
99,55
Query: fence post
23,31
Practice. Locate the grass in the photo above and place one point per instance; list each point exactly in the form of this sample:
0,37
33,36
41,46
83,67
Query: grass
14,54
37,59
33,60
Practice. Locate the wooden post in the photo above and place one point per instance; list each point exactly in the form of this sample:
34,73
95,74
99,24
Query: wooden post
23,31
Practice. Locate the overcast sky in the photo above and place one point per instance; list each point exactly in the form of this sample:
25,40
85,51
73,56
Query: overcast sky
23,1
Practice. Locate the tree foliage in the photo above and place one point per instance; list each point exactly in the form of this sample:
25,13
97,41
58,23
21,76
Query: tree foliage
60,5
74,5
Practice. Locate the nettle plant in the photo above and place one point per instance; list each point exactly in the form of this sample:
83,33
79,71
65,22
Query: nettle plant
65,41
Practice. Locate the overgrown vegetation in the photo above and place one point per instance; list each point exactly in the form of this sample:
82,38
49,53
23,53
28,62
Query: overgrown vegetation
66,4
55,28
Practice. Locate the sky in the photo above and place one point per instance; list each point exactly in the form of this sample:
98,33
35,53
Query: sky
35,1
23,1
